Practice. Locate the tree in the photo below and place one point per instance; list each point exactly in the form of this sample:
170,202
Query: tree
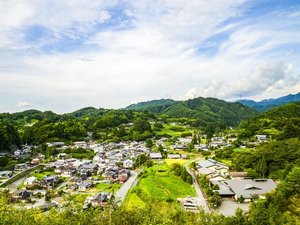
195,139
190,147
3,161
241,199
141,126
149,143
262,167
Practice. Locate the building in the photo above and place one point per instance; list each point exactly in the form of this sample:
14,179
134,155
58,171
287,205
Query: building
212,168
101,199
128,164
248,189
83,186
261,137
238,175
155,155
6,174
21,167
173,156
30,181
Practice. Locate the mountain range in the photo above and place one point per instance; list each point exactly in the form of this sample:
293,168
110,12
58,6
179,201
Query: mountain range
267,104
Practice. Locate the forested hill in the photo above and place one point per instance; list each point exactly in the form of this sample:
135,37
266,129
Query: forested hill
204,110
281,123
155,106
270,103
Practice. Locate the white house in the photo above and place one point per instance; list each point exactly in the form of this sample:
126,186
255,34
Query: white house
128,164
30,181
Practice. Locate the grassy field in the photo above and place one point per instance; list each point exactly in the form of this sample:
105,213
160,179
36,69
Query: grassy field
40,175
174,131
158,183
241,149
106,187
169,162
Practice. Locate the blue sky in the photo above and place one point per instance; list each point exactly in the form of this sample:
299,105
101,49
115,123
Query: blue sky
62,55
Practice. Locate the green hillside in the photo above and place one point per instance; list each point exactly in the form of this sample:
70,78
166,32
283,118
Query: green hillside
281,123
205,110
155,106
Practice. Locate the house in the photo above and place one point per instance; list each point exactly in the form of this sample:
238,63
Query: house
21,166
155,155
111,172
49,182
184,156
101,199
56,144
62,155
35,161
128,164
261,137
67,172
21,195
190,203
83,186
81,144
89,168
6,174
173,156
86,161
123,175
30,181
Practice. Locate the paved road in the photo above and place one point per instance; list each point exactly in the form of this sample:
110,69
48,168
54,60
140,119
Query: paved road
13,186
122,192
200,198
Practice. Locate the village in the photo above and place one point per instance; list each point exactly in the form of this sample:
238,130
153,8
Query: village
114,170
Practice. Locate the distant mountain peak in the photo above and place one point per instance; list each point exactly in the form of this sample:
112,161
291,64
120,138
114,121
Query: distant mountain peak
267,104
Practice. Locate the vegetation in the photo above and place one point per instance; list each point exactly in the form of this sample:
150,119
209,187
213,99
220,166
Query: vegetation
209,113
154,106
279,123
210,193
274,159
159,183
279,208
8,136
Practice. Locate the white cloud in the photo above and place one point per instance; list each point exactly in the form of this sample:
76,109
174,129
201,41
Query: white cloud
24,104
155,51
266,78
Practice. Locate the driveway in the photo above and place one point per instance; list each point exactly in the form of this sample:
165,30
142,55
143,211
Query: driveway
229,206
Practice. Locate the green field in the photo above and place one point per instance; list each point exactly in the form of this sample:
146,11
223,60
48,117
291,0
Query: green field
158,183
103,187
173,130
169,162
40,175
242,149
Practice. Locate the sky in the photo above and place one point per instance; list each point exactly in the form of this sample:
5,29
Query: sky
62,55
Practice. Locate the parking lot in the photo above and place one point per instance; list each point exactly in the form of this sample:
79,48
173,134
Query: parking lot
229,206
